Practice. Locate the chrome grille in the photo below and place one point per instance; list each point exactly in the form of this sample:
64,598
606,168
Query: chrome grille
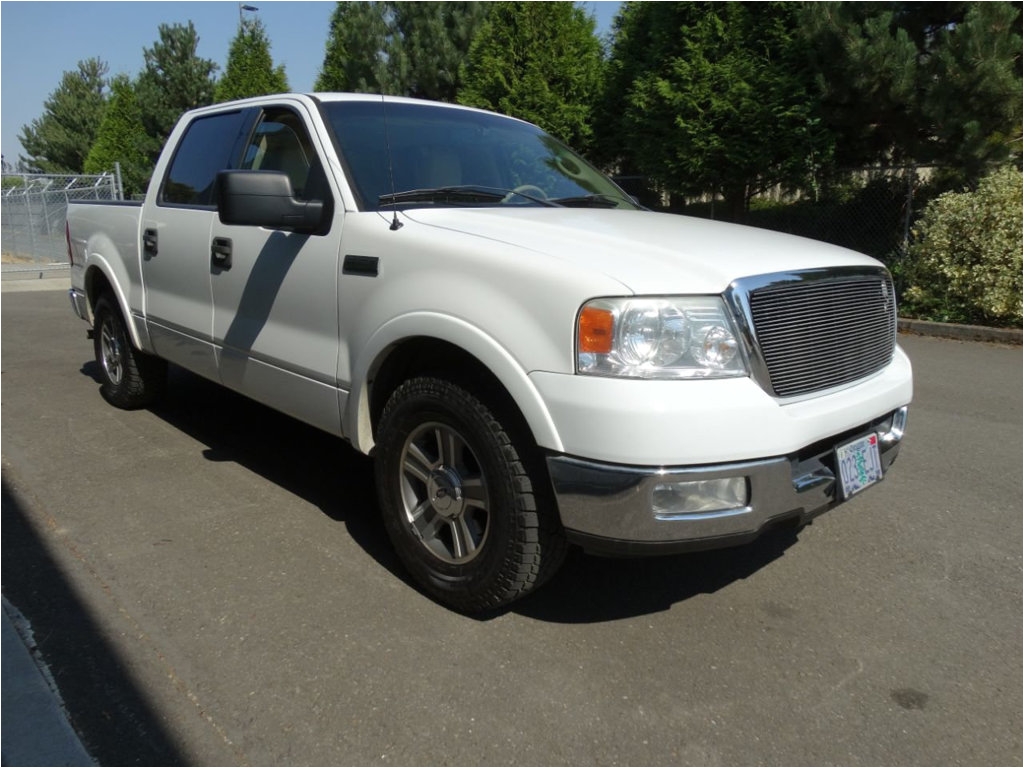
821,330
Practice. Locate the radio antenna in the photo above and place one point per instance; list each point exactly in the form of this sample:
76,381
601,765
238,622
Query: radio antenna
395,223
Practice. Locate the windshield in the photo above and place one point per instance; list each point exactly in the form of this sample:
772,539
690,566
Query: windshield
456,157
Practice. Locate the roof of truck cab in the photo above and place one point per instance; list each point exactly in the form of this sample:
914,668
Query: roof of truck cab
333,97
329,97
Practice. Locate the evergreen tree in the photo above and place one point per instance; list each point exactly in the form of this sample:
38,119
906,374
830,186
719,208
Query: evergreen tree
428,52
355,59
400,48
121,139
58,141
540,62
250,69
174,79
973,105
712,98
920,82
867,72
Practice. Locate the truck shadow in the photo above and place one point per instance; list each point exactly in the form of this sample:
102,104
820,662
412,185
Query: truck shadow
319,468
325,471
316,467
113,716
591,589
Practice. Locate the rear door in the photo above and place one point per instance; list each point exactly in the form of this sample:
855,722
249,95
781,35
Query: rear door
176,224
275,293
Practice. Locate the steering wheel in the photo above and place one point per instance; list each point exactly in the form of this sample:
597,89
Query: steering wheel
568,167
527,190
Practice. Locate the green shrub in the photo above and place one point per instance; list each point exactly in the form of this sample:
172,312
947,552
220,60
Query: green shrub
965,264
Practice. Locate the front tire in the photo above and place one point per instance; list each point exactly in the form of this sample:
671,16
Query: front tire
129,378
458,499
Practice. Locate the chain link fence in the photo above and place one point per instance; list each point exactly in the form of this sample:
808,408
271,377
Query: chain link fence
870,210
33,208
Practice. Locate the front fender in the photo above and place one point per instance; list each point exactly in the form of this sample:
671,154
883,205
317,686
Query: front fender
472,340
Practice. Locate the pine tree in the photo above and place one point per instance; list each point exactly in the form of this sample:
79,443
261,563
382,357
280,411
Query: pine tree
250,69
920,82
400,48
428,52
712,98
173,80
121,139
973,105
58,141
540,62
355,59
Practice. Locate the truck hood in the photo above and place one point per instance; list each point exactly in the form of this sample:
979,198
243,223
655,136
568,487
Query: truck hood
649,253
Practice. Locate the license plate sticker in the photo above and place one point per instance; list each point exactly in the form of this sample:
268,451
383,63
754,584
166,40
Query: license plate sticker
859,465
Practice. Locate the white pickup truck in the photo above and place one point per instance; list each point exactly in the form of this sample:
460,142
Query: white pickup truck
532,359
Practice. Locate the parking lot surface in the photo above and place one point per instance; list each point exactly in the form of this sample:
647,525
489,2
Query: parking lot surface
209,584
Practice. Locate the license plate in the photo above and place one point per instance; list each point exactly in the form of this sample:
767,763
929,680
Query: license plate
859,465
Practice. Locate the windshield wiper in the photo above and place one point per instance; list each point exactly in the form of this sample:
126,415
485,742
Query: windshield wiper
460,194
589,201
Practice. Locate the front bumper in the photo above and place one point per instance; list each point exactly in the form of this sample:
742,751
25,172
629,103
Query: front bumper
610,508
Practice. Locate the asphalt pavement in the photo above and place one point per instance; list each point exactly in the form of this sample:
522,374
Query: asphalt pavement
35,726
889,634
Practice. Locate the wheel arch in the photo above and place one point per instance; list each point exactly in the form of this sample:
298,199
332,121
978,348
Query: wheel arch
428,344
99,282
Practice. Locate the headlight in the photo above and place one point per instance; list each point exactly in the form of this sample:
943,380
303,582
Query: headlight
658,338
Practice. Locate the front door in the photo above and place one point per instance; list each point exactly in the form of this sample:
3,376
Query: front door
275,293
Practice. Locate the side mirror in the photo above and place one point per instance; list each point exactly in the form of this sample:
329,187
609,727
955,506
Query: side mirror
265,199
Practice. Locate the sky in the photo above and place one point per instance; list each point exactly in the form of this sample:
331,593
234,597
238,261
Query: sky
39,41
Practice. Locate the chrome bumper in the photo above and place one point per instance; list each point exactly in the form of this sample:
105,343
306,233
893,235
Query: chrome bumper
609,508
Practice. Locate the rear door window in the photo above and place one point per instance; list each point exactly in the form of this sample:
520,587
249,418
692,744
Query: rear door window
210,145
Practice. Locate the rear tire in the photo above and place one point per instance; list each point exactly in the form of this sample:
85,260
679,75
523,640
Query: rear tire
129,378
459,501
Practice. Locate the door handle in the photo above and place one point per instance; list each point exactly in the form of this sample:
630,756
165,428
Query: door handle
220,253
149,242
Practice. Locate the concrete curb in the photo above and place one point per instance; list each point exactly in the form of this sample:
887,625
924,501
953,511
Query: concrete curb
960,332
16,278
35,271
36,728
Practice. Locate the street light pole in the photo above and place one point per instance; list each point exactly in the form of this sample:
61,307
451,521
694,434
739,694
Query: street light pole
244,7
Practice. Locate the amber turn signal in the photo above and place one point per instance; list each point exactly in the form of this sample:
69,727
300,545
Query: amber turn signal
595,331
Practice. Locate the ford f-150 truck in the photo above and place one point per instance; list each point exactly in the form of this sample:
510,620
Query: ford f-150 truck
532,359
